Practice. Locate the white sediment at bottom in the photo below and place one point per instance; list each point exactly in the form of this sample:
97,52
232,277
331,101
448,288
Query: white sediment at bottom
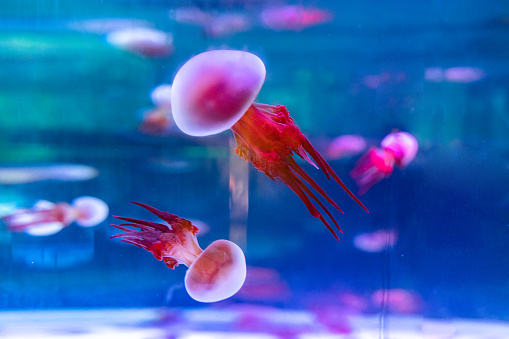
246,321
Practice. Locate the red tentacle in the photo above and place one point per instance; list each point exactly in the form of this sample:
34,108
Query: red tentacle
325,167
168,217
298,186
297,169
267,137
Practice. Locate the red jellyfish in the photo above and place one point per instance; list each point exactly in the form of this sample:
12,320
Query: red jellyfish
397,149
47,218
214,274
215,91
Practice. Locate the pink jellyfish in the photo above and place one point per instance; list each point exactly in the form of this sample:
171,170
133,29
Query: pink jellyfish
47,218
214,274
376,241
59,172
397,149
158,120
147,42
293,17
397,300
215,91
346,146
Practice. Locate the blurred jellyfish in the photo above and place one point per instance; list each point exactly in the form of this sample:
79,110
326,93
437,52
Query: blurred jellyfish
398,149
47,218
293,17
227,24
353,302
105,25
214,25
463,74
335,318
161,96
158,120
214,274
215,91
346,146
61,172
89,211
264,284
376,241
374,81
189,15
434,74
268,322
453,74
143,41
397,300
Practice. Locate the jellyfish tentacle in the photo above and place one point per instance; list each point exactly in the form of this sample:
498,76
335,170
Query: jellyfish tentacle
297,169
168,217
327,169
320,216
301,152
302,185
267,137
299,188
139,223
140,226
138,238
175,245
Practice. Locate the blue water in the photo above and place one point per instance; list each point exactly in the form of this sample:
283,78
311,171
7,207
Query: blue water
68,97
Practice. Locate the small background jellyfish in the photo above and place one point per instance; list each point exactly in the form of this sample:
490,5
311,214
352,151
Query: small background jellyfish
346,146
158,120
397,300
398,149
214,24
293,17
214,274
57,172
47,218
376,241
147,42
215,91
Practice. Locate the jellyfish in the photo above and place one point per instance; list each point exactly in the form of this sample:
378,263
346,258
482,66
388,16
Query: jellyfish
376,241
215,91
158,120
293,17
216,25
213,274
346,146
398,149
58,172
47,218
397,300
147,42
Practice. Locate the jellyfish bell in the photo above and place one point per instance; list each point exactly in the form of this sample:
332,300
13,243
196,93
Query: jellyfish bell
90,211
214,89
403,145
218,273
